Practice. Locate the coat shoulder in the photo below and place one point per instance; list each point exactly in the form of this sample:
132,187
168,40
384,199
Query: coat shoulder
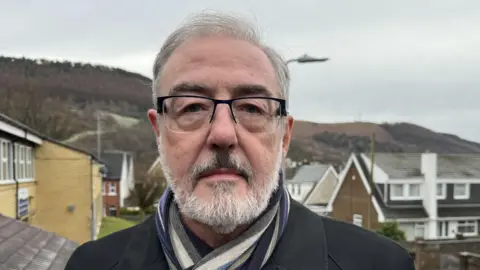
102,253
353,247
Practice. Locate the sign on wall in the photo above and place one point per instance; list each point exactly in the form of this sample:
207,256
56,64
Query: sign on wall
22,202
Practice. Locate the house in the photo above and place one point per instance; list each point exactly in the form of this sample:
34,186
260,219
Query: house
431,196
49,184
118,181
313,185
25,246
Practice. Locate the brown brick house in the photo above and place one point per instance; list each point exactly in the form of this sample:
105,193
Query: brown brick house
111,197
351,200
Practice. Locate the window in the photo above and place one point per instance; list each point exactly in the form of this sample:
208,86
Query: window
419,230
6,172
112,189
358,220
103,188
24,162
468,228
414,190
397,190
442,229
461,191
21,162
29,165
405,191
441,191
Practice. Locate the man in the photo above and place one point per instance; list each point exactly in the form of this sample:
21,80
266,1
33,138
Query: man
223,130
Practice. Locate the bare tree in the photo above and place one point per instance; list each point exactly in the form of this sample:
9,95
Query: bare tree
146,192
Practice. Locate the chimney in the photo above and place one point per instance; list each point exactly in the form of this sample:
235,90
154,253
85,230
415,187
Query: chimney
429,189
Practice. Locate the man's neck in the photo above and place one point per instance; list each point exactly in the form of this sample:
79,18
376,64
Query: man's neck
210,236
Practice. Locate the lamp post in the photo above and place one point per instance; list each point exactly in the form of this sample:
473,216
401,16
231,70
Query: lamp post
303,59
306,59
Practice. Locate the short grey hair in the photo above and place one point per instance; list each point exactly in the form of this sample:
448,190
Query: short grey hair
215,23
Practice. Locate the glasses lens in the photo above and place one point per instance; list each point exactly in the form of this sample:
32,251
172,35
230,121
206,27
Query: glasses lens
257,115
187,113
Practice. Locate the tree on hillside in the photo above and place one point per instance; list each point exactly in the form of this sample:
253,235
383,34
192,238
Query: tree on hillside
35,109
391,230
146,192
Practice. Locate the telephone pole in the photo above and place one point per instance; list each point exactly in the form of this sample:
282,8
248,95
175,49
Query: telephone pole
99,141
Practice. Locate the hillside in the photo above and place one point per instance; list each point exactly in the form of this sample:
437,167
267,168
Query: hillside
60,99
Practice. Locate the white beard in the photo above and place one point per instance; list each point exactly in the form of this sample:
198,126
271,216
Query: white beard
226,210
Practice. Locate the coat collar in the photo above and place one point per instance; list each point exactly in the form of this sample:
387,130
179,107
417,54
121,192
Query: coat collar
303,243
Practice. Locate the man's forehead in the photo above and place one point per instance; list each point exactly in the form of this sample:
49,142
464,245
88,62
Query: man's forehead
218,63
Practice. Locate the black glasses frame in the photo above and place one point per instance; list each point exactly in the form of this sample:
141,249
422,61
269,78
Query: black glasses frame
282,112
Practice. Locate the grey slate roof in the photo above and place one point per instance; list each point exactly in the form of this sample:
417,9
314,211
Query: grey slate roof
113,161
23,246
311,173
459,166
408,165
399,165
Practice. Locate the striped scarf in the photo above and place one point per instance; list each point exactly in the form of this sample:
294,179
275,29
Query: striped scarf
249,251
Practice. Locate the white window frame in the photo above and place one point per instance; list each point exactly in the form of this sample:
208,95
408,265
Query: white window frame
465,196
443,188
21,162
28,162
405,192
111,191
468,223
5,160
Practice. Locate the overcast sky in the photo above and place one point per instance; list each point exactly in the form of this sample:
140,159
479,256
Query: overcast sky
391,61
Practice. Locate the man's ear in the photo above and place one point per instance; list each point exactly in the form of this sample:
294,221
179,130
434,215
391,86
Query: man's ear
287,136
152,116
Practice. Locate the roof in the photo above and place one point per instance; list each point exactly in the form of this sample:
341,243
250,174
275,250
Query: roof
114,162
458,166
27,247
408,165
399,165
458,211
22,126
404,212
311,173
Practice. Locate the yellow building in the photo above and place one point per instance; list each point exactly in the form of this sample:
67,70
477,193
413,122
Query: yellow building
49,184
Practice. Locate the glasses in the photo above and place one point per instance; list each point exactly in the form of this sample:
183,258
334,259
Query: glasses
190,113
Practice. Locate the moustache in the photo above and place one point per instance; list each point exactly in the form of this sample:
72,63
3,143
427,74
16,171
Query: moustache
223,160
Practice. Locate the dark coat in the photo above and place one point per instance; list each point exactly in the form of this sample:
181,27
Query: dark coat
309,242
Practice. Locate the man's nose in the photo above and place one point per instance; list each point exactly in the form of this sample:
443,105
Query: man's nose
222,132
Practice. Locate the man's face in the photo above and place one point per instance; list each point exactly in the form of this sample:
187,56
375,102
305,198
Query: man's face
222,173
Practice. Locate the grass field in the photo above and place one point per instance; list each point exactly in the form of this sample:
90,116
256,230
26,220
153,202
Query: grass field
113,224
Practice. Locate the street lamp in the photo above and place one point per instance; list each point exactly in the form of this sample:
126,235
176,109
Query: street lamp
306,59
303,60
